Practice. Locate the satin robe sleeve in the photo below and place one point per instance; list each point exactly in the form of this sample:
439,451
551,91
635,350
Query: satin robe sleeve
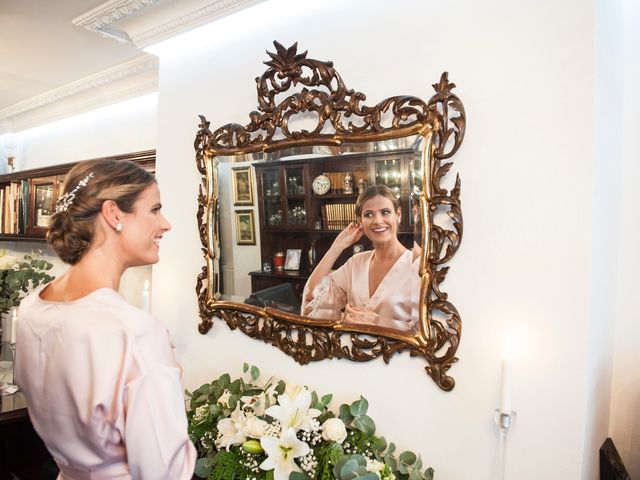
334,291
156,439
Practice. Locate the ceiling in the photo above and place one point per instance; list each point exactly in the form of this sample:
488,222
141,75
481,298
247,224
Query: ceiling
63,57
41,49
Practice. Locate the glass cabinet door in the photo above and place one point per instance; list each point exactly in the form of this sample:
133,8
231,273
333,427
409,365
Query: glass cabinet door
387,172
295,196
44,207
271,197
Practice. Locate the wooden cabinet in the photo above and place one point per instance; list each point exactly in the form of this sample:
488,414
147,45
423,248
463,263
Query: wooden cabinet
28,198
292,216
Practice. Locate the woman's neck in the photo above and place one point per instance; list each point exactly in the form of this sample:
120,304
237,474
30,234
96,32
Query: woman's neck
390,250
95,270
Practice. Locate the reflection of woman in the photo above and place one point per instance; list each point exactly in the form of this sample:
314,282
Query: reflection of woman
99,375
375,287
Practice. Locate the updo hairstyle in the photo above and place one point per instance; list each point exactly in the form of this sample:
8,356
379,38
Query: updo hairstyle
72,228
374,191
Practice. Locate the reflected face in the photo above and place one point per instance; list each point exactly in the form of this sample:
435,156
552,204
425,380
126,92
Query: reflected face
379,219
143,228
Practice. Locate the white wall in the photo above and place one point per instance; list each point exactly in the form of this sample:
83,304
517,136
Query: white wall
525,72
625,400
237,260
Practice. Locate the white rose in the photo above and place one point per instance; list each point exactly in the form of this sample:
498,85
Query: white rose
254,427
201,413
7,262
373,465
333,430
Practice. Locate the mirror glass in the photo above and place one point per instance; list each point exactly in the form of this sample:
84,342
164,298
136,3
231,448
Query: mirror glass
277,228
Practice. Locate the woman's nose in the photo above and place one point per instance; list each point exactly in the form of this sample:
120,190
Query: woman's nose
166,226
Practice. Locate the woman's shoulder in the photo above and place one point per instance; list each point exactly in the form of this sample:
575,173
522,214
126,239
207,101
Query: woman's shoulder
101,310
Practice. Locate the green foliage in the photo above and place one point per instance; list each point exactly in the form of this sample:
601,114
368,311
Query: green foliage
354,466
360,452
17,278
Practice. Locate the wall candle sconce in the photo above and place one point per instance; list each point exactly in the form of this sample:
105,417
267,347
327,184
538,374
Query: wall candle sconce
505,418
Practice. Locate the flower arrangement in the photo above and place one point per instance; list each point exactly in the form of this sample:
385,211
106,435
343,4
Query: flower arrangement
18,277
247,430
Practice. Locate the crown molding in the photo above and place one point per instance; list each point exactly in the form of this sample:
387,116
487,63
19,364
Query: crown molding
159,21
134,78
190,20
109,12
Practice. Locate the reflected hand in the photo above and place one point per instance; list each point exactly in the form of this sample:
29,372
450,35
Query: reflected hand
349,236
360,315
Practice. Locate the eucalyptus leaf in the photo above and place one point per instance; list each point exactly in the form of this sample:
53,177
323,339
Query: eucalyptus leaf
298,476
326,399
345,414
359,407
203,467
365,424
408,458
255,372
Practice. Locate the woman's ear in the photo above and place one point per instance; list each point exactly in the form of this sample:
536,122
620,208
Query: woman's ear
111,213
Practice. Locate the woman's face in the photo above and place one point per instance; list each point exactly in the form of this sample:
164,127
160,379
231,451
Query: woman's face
143,228
379,219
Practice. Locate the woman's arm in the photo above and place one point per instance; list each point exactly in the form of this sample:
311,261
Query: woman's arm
345,238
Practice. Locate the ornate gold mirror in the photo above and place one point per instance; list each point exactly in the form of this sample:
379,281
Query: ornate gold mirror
277,192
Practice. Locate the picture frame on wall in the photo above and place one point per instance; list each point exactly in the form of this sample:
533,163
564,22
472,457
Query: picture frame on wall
245,228
292,260
242,186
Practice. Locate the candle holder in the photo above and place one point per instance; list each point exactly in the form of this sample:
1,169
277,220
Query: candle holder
504,421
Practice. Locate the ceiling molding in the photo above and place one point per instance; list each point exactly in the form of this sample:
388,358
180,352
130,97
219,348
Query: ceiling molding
188,21
109,12
134,78
160,19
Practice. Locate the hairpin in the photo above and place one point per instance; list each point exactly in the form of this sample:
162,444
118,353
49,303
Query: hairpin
66,200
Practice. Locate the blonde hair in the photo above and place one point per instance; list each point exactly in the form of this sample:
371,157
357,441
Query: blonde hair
92,183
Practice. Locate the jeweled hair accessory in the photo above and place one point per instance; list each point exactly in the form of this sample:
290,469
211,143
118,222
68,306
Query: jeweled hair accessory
65,201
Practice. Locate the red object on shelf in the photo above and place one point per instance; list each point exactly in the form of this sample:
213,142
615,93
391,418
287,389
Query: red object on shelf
278,261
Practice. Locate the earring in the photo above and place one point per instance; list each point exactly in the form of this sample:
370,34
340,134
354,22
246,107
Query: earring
118,227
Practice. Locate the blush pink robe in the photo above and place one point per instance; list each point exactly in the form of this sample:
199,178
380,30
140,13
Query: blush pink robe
394,303
103,388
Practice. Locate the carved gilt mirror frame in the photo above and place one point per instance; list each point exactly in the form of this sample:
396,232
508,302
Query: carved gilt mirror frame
321,91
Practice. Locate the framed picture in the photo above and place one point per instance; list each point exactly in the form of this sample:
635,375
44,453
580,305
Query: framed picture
245,228
242,186
292,260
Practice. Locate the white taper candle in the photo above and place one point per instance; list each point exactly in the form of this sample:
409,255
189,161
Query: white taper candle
505,387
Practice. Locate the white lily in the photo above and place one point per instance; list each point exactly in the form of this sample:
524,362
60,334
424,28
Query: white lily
281,453
294,412
257,403
232,429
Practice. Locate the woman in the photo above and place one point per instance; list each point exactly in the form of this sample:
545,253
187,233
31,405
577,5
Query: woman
99,375
375,287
